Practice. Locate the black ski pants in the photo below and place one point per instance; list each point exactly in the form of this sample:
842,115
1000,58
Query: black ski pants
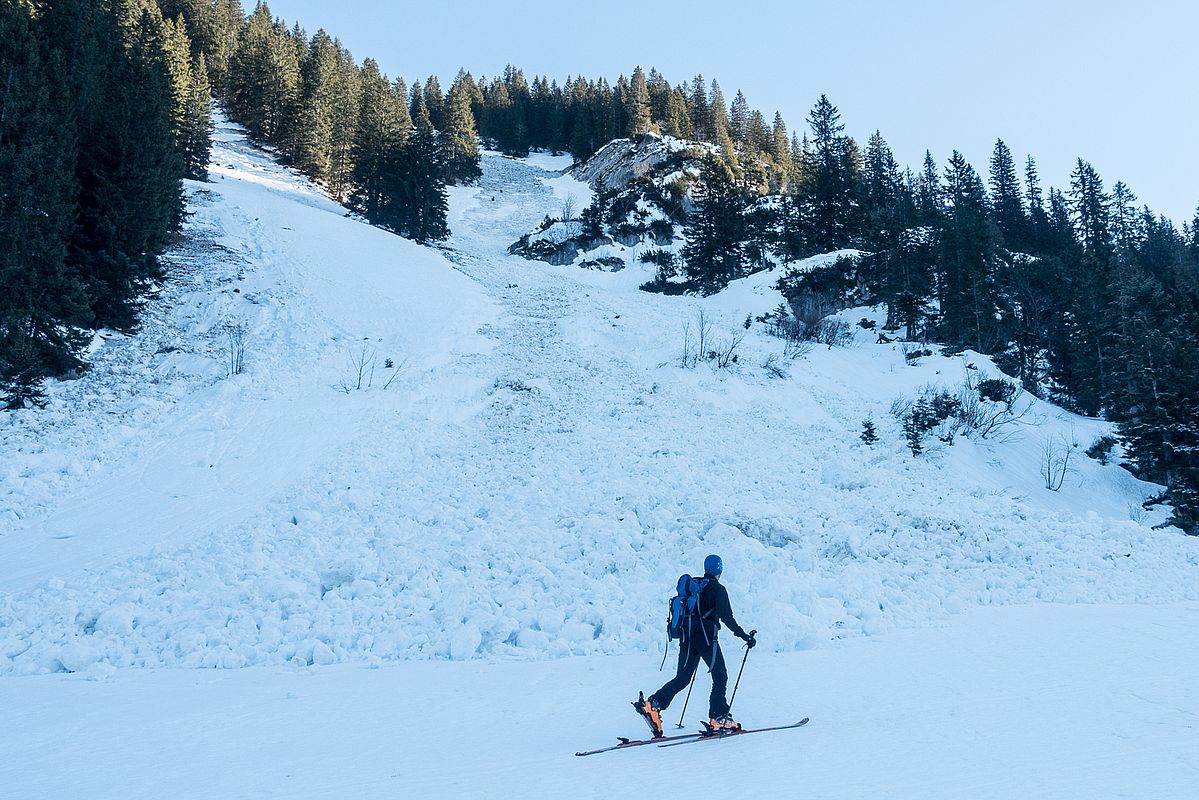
691,651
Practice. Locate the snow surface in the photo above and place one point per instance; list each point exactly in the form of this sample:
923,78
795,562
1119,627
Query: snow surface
528,487
1053,702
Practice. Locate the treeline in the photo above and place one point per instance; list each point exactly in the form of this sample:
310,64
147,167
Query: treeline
581,116
103,112
1086,297
386,150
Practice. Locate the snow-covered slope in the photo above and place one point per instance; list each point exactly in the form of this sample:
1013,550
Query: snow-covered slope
525,481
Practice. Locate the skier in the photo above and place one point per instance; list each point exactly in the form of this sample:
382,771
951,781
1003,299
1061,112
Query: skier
700,643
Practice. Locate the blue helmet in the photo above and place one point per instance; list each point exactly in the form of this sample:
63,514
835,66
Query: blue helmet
713,565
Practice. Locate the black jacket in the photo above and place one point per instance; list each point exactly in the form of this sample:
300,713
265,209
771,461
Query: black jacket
714,609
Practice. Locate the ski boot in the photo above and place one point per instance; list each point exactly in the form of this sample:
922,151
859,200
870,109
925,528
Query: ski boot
649,711
721,726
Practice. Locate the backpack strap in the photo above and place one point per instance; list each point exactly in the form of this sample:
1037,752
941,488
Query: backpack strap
702,583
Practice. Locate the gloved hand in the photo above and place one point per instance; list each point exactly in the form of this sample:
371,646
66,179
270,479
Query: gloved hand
751,640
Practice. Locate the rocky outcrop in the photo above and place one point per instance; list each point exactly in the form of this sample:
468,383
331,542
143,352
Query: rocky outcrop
557,243
622,161
643,195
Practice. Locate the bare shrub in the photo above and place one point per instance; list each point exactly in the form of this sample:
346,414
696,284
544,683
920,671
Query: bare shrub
696,341
724,352
360,369
913,353
774,367
833,332
361,366
810,328
700,344
396,371
794,349
993,408
236,334
1055,461
966,411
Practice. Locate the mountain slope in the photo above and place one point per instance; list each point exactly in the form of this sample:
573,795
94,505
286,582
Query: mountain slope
531,482
528,486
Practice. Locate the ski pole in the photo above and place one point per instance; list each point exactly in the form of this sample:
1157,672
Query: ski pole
688,700
752,634
665,653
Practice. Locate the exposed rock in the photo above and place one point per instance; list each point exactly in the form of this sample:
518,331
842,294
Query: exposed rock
557,243
605,263
643,196
621,161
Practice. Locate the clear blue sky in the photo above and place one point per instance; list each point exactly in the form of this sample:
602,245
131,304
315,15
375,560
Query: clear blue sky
1112,82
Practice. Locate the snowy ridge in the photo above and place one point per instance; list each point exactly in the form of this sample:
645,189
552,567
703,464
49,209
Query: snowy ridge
529,486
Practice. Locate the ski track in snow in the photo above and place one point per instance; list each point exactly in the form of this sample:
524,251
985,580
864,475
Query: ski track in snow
531,483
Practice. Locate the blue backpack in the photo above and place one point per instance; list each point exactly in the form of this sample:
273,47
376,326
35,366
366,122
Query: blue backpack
684,608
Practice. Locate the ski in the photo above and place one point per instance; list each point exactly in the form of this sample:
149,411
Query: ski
626,743
704,737
684,738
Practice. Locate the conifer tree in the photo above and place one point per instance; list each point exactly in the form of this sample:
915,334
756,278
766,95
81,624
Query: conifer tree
637,110
198,121
459,140
418,184
780,157
347,97
212,26
1006,206
517,122
718,124
1155,352
313,143
1091,210
968,291
869,434
1126,222
659,91
505,119
171,40
382,133
584,130
43,304
929,198
714,253
1038,219
881,190
678,120
219,40
129,167
264,78
830,180
700,112
757,137
739,118
1083,364
435,102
